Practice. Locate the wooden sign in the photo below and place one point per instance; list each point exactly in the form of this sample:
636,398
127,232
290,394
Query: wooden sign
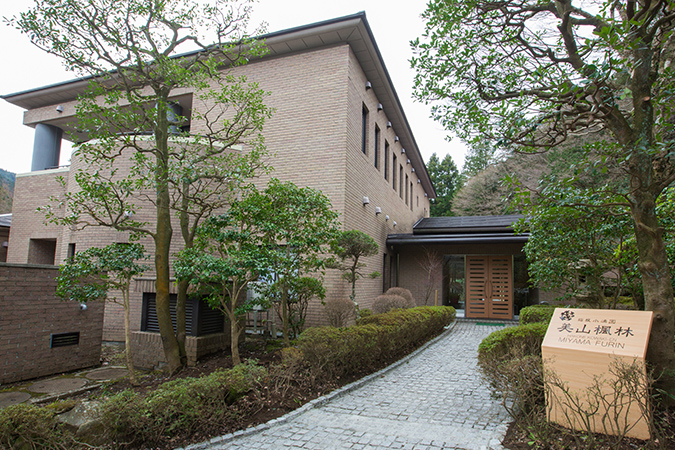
594,370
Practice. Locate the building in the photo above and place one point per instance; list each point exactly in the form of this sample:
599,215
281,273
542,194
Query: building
338,127
475,264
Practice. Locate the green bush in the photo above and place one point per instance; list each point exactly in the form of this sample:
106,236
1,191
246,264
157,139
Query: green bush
387,302
536,313
31,427
510,360
338,352
498,345
180,407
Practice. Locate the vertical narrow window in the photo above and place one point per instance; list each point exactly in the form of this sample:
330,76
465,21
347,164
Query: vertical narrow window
386,160
418,201
71,251
411,196
400,181
393,172
364,128
406,189
376,149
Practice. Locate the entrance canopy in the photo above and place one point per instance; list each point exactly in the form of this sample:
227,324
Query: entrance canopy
461,230
479,262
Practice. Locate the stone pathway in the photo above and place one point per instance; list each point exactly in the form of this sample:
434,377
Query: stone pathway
433,400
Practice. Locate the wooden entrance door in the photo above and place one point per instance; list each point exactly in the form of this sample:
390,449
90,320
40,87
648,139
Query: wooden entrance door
489,287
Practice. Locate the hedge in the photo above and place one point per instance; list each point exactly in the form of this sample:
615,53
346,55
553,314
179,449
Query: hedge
374,340
536,313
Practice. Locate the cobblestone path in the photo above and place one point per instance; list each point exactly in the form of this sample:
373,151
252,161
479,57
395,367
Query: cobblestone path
434,400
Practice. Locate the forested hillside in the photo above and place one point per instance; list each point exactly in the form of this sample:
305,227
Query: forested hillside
6,191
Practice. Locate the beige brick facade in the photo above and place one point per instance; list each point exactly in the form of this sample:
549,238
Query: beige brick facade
318,91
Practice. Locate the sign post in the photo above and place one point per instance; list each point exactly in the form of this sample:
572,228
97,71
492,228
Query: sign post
595,373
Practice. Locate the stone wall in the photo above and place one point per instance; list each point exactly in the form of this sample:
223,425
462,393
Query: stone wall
30,314
148,352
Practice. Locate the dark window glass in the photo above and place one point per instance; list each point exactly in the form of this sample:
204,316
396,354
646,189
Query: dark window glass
364,128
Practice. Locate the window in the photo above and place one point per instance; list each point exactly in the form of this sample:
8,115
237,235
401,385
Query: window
393,172
411,196
406,189
386,160
400,181
364,128
376,149
71,251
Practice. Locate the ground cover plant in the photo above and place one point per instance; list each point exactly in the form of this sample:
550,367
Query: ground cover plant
214,398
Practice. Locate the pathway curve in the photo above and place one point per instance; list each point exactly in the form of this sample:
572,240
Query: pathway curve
434,400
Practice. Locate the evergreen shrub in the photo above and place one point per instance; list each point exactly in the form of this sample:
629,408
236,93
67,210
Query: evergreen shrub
536,313
374,341
182,407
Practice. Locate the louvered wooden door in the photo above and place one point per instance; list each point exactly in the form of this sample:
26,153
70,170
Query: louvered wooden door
489,291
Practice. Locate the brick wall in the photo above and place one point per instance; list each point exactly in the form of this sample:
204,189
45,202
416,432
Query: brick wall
315,138
30,313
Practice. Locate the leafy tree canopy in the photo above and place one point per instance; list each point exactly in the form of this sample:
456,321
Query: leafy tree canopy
533,73
445,176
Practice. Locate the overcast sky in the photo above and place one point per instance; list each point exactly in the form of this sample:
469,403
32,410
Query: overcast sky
394,26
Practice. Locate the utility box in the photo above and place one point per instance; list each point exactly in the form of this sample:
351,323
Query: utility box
595,373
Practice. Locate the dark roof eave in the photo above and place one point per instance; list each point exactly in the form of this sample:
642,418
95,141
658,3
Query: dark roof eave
487,238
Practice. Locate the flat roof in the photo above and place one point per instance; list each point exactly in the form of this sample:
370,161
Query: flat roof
352,29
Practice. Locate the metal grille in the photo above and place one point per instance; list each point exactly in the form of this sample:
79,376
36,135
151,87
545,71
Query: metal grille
200,319
64,339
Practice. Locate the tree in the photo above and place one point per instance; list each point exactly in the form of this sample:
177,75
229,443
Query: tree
90,275
446,180
186,165
532,74
296,225
431,263
227,256
351,246
575,249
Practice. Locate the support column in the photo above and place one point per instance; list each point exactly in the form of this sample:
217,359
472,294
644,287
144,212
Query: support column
46,147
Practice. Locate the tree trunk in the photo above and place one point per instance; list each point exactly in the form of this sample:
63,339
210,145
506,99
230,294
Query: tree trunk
181,332
284,314
657,287
234,340
127,338
162,239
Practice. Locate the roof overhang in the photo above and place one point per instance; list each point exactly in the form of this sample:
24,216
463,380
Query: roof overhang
394,240
352,30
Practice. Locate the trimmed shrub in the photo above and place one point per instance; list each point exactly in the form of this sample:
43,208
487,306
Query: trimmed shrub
498,345
403,292
536,313
339,311
387,302
510,360
25,426
180,407
374,340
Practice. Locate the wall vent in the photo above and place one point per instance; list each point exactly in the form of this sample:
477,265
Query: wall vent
64,339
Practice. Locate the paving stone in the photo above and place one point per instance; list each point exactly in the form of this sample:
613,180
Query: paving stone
434,400
57,385
12,398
